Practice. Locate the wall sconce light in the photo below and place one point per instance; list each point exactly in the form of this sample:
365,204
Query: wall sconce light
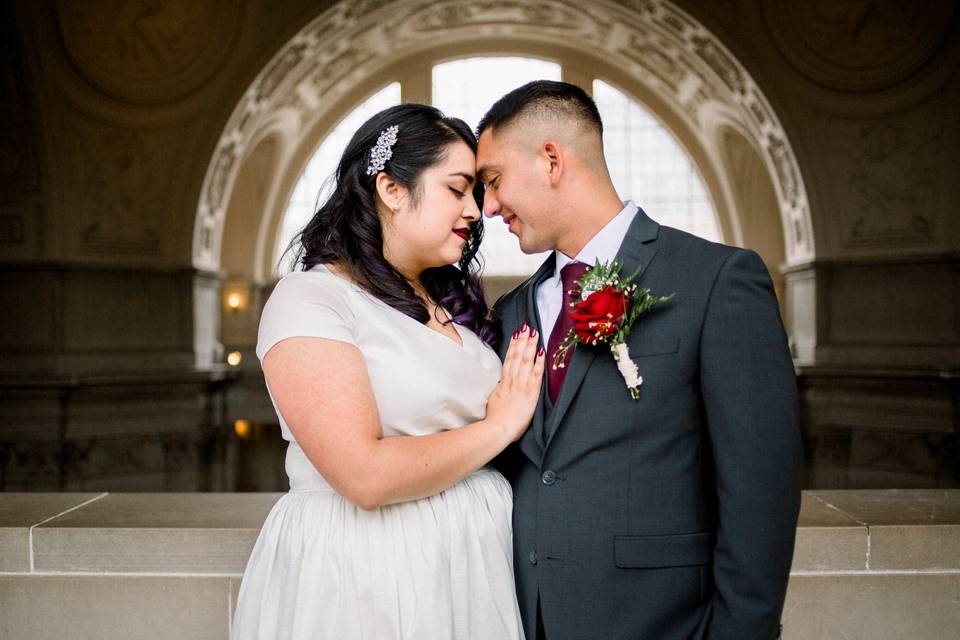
235,294
234,301
234,358
241,428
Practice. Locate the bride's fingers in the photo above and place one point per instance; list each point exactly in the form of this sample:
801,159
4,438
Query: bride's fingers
526,349
536,373
529,353
532,367
526,359
511,362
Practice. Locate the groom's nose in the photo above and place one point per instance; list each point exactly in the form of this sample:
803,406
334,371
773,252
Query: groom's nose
490,205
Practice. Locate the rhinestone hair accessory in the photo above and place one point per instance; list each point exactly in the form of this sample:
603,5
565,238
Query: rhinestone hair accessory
383,150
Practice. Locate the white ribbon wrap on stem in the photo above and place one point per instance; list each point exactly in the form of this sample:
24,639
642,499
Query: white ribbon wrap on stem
628,369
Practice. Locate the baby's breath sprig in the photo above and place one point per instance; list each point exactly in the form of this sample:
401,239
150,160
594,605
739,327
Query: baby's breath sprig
609,305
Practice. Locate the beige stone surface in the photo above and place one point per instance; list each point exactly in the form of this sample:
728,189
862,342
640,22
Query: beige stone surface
19,512
144,550
910,589
172,511
915,547
830,549
181,533
908,529
874,607
113,607
14,549
827,538
897,506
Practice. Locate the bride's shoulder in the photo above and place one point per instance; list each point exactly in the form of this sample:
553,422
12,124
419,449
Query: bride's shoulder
316,283
319,275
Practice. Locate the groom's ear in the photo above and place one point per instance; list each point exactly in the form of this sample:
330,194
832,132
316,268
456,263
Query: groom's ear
553,153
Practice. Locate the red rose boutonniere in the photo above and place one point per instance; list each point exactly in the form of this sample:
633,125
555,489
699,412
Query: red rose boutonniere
608,307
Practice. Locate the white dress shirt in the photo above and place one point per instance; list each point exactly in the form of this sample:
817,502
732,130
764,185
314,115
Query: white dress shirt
603,246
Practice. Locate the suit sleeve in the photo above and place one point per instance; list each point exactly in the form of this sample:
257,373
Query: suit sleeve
748,385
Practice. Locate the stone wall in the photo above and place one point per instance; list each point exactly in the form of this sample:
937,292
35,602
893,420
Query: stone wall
883,565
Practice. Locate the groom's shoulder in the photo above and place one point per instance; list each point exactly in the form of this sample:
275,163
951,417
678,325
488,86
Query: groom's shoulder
694,250
704,260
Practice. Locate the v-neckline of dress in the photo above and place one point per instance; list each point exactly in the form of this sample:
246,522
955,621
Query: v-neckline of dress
462,345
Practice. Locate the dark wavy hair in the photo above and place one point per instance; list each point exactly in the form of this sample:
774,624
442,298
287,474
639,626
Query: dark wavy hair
346,229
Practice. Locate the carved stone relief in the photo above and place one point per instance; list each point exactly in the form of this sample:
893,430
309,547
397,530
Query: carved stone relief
652,57
550,16
721,63
858,45
652,40
118,192
279,69
893,176
148,52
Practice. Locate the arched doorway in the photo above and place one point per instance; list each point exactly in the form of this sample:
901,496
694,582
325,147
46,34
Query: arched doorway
650,51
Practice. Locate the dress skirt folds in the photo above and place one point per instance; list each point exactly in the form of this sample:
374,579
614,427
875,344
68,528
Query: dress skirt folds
436,568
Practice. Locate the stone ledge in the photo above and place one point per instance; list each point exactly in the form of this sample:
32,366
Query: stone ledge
20,513
902,606
868,564
115,606
212,533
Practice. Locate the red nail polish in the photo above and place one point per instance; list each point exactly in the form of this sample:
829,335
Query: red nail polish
540,352
515,334
523,327
533,332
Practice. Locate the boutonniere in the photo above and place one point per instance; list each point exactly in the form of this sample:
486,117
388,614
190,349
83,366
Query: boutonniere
608,307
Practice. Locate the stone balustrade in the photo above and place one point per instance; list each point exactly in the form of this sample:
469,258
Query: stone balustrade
868,564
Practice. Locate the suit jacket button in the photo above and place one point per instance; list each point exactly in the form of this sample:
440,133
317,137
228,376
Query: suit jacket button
533,557
549,477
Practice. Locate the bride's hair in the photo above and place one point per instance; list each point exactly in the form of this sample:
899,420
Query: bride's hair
346,228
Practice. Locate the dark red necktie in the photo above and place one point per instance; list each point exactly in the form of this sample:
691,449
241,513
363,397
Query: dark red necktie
572,272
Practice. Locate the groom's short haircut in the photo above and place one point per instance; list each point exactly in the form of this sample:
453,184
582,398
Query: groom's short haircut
545,109
545,98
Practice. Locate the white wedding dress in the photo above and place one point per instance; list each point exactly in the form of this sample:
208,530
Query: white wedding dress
437,568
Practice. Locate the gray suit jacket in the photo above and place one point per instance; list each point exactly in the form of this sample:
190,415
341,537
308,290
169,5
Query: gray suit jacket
671,516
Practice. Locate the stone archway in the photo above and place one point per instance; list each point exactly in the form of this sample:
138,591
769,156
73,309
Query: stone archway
649,48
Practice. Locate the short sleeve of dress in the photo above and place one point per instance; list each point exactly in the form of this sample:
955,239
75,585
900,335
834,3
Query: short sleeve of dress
306,304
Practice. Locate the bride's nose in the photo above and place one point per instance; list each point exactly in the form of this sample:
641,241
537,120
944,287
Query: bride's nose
471,212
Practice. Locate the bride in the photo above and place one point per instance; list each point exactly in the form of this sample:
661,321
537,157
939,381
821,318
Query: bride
377,358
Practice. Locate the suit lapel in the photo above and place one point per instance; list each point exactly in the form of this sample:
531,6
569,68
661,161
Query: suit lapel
531,443
636,253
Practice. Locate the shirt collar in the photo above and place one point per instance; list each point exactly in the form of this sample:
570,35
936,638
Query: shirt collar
603,246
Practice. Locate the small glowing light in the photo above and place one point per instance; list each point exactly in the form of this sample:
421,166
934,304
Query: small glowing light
233,358
233,301
241,428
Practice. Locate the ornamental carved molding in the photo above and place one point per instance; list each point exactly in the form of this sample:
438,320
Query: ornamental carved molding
147,52
652,41
858,45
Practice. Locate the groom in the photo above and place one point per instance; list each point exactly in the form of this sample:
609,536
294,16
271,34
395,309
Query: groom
669,516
